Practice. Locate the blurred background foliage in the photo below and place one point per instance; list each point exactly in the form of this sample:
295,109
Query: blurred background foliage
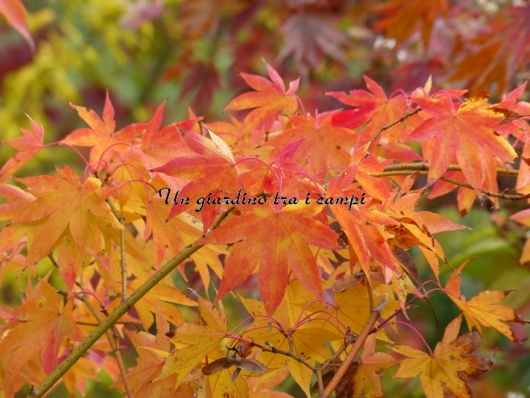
191,51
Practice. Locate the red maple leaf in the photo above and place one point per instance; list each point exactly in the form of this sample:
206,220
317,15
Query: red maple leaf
277,240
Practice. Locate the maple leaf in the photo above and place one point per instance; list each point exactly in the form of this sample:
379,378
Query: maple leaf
523,217
269,99
481,310
401,18
358,222
498,54
176,234
153,351
15,13
360,168
277,240
442,368
305,341
222,383
376,107
63,205
197,341
159,146
317,132
213,169
39,326
101,136
352,307
310,36
27,146
259,387
464,133
366,381
159,295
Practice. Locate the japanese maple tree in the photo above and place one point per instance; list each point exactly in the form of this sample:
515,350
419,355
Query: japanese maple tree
302,232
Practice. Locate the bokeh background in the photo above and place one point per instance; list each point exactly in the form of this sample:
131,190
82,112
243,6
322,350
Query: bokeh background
191,52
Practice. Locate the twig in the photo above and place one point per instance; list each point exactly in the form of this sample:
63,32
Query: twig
374,315
290,354
517,196
135,324
320,383
123,263
351,338
426,166
113,338
387,126
422,169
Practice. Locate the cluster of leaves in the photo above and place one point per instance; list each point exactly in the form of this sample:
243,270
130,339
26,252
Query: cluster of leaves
328,242
144,49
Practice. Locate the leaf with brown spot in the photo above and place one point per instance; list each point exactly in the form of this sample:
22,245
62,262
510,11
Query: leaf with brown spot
444,366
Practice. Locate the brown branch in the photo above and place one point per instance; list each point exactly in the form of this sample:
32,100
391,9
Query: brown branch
374,315
351,338
426,166
405,169
517,196
289,354
387,126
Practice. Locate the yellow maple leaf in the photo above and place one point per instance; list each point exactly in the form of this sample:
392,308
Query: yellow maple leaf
442,367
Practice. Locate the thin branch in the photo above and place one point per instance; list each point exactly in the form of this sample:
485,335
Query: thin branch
320,382
425,167
351,338
374,315
114,344
123,263
422,169
135,324
517,196
118,312
392,124
290,354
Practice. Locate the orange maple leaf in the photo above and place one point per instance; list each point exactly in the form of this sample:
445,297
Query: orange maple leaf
15,14
213,169
101,136
269,99
27,146
442,367
63,204
374,105
324,145
362,379
463,132
153,351
277,240
401,17
40,326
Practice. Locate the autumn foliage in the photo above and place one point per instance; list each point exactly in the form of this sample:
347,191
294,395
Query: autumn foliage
301,221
